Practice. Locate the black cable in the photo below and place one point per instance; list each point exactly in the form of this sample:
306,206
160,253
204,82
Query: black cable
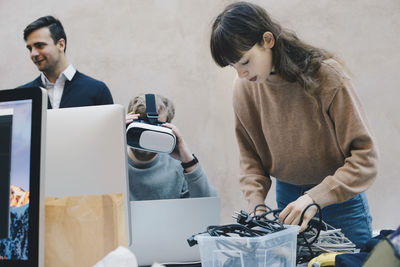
263,224
313,228
310,228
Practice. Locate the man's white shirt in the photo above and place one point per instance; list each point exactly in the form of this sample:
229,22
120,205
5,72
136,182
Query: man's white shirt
55,90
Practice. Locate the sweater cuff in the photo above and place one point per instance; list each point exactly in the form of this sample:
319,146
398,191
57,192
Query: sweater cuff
253,201
195,174
322,194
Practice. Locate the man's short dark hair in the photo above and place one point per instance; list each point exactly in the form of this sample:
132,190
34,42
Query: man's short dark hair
56,29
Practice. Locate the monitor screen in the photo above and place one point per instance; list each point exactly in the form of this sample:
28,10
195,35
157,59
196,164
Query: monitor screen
21,128
6,117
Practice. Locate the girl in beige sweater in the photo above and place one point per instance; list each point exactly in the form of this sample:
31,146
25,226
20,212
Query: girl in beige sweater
298,119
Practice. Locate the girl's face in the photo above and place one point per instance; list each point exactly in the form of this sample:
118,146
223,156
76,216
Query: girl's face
256,64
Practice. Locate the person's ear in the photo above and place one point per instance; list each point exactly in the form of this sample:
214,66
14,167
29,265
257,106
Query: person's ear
61,44
269,40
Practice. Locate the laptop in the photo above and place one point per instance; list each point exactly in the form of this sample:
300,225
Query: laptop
160,228
22,148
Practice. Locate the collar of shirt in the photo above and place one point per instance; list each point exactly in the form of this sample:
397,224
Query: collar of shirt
67,74
55,90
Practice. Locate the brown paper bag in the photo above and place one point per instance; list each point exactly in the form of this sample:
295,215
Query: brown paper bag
81,230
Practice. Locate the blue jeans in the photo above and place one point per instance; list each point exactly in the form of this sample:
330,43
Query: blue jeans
351,216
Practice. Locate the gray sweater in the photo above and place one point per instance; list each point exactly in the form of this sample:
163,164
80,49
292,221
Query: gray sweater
164,178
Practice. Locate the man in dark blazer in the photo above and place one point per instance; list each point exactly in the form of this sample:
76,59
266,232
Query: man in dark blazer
66,87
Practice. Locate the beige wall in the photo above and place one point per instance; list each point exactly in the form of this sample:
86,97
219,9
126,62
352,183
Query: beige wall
162,46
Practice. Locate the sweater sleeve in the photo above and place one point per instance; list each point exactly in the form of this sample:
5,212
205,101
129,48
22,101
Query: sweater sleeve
198,183
254,181
104,96
357,145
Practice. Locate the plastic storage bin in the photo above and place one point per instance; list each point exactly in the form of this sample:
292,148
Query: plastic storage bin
276,249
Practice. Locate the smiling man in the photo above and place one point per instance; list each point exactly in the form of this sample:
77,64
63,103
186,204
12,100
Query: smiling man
66,87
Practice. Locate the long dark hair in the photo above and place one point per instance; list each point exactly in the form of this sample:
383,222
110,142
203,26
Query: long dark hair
241,25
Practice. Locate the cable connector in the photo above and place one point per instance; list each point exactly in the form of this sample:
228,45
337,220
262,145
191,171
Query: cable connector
243,217
192,241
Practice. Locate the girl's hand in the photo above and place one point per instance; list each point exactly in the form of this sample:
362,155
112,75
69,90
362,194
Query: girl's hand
292,213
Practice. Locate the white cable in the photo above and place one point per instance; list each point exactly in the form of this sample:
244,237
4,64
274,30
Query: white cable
329,240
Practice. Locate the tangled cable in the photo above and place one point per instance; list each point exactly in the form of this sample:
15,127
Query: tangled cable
247,226
234,251
317,238
330,239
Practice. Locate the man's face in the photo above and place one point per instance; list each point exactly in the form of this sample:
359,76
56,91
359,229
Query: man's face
44,53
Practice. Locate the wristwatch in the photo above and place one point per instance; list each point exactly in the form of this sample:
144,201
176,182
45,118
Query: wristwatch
191,163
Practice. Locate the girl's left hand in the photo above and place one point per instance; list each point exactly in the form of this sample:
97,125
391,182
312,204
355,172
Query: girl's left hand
292,213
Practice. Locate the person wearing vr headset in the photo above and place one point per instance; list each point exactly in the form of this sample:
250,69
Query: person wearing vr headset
161,175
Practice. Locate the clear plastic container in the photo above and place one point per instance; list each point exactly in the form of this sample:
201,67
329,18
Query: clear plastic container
271,250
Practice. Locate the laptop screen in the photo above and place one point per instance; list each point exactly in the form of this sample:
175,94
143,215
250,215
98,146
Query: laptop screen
21,143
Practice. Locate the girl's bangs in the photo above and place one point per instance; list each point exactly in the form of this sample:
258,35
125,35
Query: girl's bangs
226,49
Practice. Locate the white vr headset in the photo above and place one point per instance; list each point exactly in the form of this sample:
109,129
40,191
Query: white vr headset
148,134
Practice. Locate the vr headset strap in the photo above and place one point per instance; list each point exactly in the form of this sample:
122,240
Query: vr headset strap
151,110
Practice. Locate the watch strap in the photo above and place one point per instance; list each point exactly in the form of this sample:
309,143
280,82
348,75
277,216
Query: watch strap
191,163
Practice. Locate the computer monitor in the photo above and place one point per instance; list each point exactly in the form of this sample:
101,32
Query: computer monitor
22,131
86,152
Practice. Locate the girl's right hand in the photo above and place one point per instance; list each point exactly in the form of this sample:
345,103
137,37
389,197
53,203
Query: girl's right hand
292,213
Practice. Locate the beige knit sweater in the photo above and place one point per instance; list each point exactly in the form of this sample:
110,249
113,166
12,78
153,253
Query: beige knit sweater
278,135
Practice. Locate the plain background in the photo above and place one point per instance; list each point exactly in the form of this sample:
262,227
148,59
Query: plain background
162,46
